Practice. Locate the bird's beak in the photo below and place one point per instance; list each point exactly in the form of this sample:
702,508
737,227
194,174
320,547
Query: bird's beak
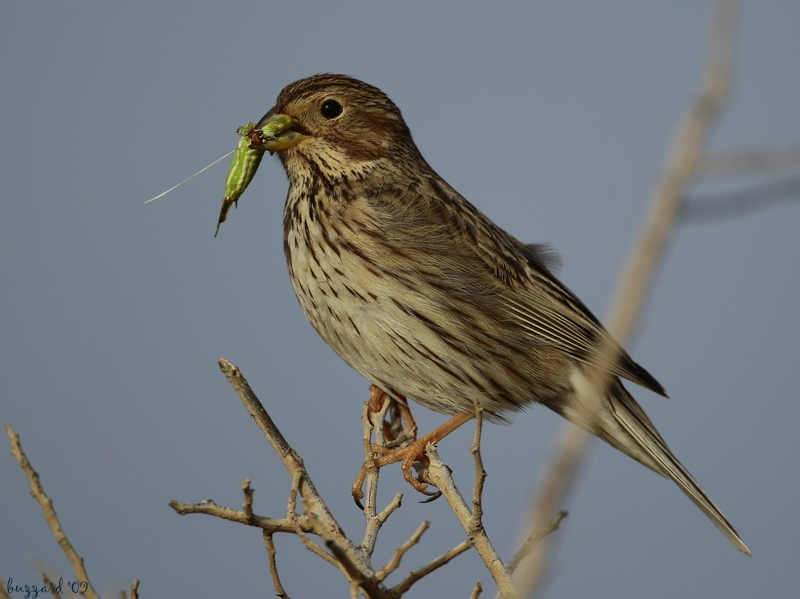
280,132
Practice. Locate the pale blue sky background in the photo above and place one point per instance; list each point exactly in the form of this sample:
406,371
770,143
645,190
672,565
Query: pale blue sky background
552,117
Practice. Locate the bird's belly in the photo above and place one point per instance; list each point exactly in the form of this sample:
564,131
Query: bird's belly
372,321
351,310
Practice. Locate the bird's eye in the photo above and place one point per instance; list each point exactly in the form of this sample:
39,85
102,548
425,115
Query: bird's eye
331,109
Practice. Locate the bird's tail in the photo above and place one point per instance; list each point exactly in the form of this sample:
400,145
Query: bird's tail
624,425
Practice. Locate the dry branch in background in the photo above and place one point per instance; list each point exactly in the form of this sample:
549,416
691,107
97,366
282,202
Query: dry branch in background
778,169
684,161
751,162
740,202
37,491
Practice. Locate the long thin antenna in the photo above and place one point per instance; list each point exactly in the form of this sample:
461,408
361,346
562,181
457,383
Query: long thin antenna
161,195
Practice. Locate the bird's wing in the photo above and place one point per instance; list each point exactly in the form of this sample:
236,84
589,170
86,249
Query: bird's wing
543,305
432,218
550,311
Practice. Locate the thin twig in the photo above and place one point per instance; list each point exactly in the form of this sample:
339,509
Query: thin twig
741,202
750,161
273,566
54,588
373,472
476,592
439,475
291,505
682,166
355,565
390,508
533,538
50,514
373,421
354,562
317,550
354,573
480,474
49,576
290,458
247,506
394,563
213,509
400,589
315,508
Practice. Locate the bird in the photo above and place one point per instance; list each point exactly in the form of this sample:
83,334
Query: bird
425,296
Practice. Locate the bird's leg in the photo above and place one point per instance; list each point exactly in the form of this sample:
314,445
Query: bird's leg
415,451
411,453
409,424
399,427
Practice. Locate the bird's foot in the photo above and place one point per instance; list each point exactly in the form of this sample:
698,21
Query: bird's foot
410,455
399,433
398,448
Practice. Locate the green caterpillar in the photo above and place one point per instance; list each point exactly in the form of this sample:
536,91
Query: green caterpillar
243,167
275,135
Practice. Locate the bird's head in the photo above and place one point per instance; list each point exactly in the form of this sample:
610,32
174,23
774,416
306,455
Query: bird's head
335,120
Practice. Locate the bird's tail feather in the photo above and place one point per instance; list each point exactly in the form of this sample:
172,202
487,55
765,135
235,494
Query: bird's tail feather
632,432
624,425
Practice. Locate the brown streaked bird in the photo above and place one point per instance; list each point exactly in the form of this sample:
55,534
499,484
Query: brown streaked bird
424,295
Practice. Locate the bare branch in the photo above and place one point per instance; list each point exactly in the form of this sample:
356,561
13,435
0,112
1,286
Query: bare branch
49,575
291,506
480,473
476,592
54,588
213,509
750,162
389,509
416,575
50,514
533,538
291,460
352,561
317,550
372,471
320,519
247,506
273,566
742,202
351,568
355,565
439,475
373,421
682,166
394,563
